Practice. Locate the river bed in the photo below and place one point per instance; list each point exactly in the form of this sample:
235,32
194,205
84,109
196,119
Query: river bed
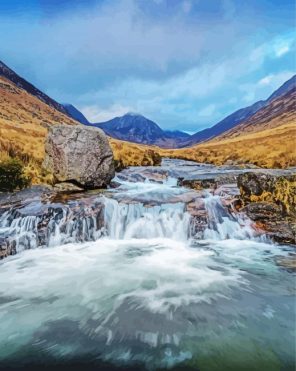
129,283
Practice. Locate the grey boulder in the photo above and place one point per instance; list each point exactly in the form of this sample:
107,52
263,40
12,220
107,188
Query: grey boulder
80,155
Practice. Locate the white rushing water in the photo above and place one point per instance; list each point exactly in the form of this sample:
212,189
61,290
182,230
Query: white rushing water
125,283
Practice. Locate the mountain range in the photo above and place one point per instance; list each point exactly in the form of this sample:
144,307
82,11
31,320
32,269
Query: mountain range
136,128
239,116
263,133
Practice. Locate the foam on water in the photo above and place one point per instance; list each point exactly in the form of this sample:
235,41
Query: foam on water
126,283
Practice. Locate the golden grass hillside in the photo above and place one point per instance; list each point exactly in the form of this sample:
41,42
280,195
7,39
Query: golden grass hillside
131,154
266,139
270,148
24,120
23,126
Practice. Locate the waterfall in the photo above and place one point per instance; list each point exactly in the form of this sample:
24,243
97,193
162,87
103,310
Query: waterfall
91,218
54,226
125,221
224,225
57,225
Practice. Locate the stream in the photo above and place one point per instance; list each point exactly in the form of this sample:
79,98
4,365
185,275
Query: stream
145,276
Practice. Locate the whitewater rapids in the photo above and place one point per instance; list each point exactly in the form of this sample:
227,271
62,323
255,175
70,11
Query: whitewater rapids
141,292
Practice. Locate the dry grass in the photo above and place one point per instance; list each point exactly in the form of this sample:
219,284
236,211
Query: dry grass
270,148
24,120
131,154
23,126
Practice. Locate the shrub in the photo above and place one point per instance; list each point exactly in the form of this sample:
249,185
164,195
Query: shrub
12,176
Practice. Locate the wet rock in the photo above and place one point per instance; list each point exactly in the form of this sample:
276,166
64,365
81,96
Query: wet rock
197,184
261,187
270,201
114,184
268,217
207,183
67,187
80,155
25,196
44,224
288,263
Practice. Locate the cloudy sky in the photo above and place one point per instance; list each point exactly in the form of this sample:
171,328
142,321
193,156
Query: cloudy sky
185,64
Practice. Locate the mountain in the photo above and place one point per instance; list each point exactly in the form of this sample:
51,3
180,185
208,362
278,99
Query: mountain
176,134
287,86
133,127
75,114
10,75
224,125
266,138
24,121
279,110
237,117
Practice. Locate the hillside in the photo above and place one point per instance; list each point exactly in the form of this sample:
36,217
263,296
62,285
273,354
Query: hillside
266,139
9,74
240,116
268,148
281,110
75,114
24,119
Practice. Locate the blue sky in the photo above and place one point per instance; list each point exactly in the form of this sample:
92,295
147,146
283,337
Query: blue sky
185,64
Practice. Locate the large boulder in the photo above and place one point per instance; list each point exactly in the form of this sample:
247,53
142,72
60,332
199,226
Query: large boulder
80,155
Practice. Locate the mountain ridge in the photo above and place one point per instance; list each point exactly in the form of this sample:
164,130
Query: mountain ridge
238,116
20,82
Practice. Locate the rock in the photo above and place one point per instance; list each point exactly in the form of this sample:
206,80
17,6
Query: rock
25,196
79,155
268,217
289,263
258,187
208,183
270,201
67,187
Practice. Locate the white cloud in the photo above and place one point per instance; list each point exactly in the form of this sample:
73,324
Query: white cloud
275,80
280,51
95,113
265,80
265,86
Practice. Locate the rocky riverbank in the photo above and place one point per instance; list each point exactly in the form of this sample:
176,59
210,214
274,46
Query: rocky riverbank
45,216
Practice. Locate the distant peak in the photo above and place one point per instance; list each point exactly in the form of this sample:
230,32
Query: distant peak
133,114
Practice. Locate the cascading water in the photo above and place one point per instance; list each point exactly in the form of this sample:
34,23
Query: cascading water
224,225
125,221
128,285
110,218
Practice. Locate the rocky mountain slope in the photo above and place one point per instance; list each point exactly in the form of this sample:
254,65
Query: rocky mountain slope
9,74
75,114
239,116
24,121
136,128
279,111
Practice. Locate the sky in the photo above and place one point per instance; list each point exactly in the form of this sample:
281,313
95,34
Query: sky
185,64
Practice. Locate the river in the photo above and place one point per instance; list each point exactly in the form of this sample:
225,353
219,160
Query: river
133,285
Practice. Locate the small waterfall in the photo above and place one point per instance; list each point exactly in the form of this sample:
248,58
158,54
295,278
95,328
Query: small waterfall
224,225
125,221
51,226
59,224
